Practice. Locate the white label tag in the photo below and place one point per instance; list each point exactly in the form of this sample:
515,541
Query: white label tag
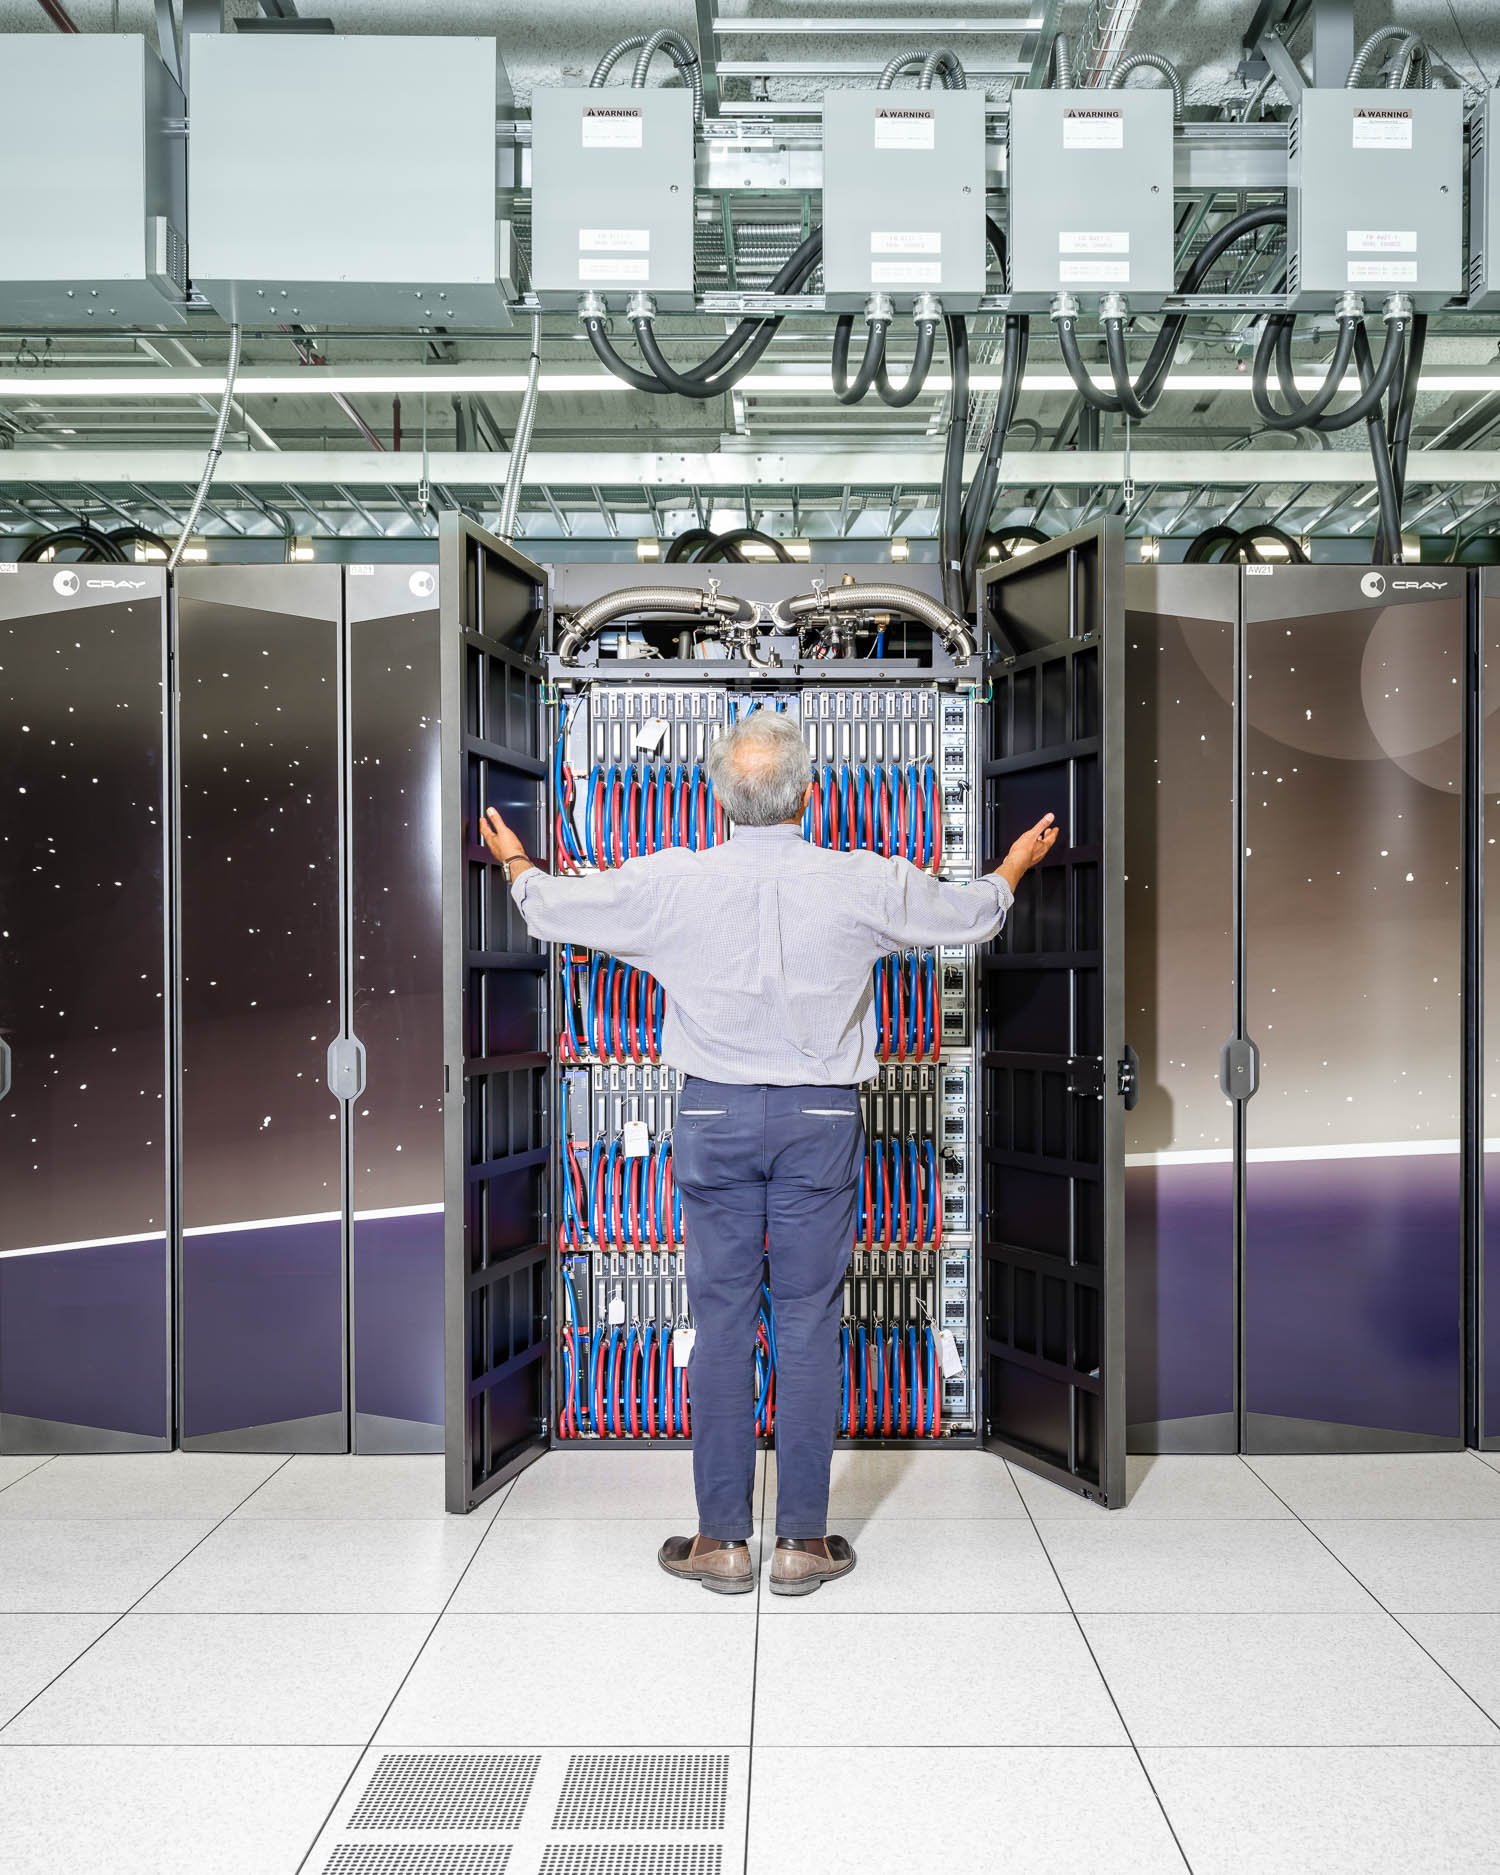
1093,241
621,270
904,130
1093,130
615,240
651,734
952,1360
1381,241
903,242
1382,130
1258,572
682,1345
617,1309
637,1139
10,566
906,273
1382,272
611,127
360,572
1116,270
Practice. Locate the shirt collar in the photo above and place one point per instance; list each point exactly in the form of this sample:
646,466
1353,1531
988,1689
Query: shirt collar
782,830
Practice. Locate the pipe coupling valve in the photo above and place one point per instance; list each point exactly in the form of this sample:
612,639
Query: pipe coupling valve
640,306
1112,306
1348,306
591,306
929,308
879,310
1398,306
1064,306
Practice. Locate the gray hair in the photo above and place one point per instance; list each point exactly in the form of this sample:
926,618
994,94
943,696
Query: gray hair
760,769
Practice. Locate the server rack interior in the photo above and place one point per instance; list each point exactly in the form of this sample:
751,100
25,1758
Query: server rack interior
893,767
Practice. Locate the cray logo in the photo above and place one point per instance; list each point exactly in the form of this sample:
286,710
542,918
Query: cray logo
422,585
1374,584
67,584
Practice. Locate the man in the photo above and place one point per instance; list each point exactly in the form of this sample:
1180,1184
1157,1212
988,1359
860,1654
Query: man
764,947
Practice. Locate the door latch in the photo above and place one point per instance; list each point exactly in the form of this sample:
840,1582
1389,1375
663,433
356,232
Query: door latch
346,1068
1239,1068
1128,1078
4,1067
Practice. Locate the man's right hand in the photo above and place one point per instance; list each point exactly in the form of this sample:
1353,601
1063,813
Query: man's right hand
1029,850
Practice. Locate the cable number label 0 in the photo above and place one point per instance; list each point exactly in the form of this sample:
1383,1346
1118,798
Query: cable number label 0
637,1140
612,127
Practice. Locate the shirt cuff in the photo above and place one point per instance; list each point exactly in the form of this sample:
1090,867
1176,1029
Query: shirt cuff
520,885
1002,891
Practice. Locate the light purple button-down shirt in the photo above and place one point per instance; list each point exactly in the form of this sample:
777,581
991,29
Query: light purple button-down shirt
764,946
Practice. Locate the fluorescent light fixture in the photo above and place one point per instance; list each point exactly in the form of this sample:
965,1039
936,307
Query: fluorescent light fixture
302,550
648,549
900,549
1150,548
195,553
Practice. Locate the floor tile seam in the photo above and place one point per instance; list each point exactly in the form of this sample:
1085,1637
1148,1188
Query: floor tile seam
1110,1693
149,1589
30,1472
426,1641
1390,1614
821,1750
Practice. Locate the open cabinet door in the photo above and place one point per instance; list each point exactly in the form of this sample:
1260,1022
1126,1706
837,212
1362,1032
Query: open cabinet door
495,1022
1056,1074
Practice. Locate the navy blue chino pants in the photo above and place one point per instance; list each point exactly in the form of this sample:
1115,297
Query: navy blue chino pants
766,1172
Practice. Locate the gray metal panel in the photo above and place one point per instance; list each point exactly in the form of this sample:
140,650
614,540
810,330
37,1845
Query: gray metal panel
903,197
612,195
86,164
343,180
1484,209
1375,196
1090,196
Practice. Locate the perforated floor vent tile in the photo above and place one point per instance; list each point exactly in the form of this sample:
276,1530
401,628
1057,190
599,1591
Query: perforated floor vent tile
637,1858
428,1790
641,1790
418,1858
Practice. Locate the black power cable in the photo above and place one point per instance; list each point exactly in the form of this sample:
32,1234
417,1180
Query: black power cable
727,546
871,365
1277,330
898,396
94,545
950,500
686,545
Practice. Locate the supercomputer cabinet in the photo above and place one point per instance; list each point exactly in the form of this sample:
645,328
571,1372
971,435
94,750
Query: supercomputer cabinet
984,1301
1181,910
85,1209
308,1015
93,183
1483,1136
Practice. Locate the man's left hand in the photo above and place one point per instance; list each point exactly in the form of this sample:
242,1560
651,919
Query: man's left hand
499,838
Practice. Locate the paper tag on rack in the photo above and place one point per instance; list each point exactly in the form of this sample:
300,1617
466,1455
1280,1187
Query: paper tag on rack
651,734
682,1345
637,1137
953,1364
617,1309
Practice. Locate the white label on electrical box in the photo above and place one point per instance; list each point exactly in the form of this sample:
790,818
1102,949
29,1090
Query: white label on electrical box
617,1309
611,127
1093,130
906,273
904,242
953,1364
1382,272
651,734
1382,129
590,268
360,572
682,1345
1381,241
1086,271
637,1138
615,240
1093,241
904,130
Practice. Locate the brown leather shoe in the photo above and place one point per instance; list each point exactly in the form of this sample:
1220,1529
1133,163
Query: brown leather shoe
723,1567
802,1564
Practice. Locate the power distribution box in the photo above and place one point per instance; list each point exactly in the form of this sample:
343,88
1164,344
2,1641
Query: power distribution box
612,195
1484,207
344,181
93,182
903,198
1375,196
1090,192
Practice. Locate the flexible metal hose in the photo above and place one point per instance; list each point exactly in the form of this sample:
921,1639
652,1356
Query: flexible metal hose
520,448
215,450
632,43
954,633
1060,65
942,63
902,62
667,39
1153,61
695,601
1380,37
